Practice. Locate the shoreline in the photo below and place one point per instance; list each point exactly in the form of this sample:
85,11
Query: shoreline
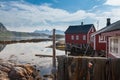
23,41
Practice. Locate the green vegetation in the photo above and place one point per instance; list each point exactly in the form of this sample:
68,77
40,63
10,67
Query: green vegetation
58,36
6,34
17,34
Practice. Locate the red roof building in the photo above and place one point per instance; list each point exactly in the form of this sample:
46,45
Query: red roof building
79,34
108,39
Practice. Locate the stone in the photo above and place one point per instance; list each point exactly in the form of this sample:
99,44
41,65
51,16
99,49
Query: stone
14,71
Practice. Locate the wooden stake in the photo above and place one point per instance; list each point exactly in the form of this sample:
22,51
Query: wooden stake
54,54
54,51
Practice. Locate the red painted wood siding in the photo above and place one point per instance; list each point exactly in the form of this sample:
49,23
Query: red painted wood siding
112,33
80,41
99,46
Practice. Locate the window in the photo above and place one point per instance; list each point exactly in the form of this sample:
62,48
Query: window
84,37
114,45
92,29
92,38
102,39
77,37
72,37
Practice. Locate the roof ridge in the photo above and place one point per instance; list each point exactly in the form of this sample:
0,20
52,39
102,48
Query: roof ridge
82,25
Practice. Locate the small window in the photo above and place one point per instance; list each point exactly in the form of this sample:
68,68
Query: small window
114,45
72,37
102,39
77,37
92,38
84,37
92,29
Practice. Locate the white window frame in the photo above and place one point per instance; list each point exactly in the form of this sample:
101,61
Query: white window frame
72,37
77,37
114,46
102,39
92,29
84,37
92,38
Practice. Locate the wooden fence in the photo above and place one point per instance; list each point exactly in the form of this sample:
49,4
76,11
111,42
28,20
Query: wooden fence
88,68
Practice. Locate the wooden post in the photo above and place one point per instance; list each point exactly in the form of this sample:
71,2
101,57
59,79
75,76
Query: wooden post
107,47
54,55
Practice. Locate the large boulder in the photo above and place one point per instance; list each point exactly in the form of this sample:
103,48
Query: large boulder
11,71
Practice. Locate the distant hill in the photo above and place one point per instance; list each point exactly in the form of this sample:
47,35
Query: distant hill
12,34
49,32
2,27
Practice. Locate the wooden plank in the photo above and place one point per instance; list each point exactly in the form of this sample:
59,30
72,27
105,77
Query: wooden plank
41,55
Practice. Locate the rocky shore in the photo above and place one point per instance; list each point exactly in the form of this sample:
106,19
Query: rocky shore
12,71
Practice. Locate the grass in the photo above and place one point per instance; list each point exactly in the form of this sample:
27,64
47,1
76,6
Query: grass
60,47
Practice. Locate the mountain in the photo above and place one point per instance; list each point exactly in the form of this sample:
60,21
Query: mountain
4,33
49,32
42,31
2,27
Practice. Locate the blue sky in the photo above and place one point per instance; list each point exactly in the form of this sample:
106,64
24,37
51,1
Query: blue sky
29,15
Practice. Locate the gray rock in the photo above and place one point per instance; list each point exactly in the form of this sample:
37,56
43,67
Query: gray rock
11,71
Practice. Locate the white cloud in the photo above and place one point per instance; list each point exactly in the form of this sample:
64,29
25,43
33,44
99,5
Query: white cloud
27,17
113,2
18,15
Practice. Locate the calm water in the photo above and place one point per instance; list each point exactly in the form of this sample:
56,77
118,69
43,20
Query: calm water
21,38
25,53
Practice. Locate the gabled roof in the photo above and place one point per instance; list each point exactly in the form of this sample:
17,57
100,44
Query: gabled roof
79,29
113,27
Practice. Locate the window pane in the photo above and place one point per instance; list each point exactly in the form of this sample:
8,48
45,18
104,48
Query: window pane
72,37
114,45
77,37
84,37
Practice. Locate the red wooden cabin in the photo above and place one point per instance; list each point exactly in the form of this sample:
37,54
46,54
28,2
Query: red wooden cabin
111,37
79,34
99,41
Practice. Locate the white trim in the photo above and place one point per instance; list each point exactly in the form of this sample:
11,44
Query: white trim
90,29
87,36
117,55
102,41
94,42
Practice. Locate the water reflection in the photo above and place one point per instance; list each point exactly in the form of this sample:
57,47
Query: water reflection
25,53
21,38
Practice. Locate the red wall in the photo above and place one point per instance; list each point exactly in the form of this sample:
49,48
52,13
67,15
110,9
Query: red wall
100,46
80,41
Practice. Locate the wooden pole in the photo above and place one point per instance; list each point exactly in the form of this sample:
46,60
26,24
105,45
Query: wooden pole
54,55
107,47
54,47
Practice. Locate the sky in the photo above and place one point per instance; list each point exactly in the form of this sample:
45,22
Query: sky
31,15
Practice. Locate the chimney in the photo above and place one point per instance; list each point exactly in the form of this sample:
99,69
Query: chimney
81,23
108,22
